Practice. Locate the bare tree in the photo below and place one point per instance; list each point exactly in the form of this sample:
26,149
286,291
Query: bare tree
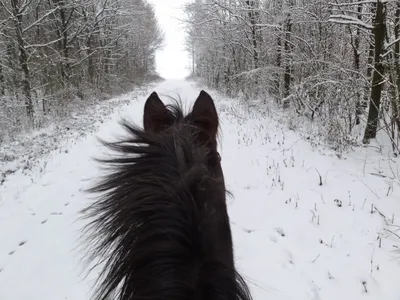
326,60
54,55
379,31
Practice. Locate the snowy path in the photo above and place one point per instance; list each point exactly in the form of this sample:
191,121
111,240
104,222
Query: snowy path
294,238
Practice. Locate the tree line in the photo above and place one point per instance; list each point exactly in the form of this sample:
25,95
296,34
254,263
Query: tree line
335,61
55,54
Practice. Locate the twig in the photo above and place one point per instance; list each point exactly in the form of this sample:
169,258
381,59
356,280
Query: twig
381,214
394,233
320,177
365,200
315,259
372,258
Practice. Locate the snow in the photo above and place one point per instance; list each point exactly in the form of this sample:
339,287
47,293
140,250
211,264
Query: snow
28,151
296,236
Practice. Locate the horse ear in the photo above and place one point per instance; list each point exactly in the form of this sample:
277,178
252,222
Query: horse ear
155,113
205,114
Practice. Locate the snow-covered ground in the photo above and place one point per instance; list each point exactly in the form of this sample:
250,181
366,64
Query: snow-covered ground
29,150
307,225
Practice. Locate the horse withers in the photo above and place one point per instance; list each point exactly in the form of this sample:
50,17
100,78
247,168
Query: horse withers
160,224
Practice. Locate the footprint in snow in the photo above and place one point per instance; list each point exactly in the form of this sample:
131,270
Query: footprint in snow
280,231
315,292
11,252
66,204
44,221
56,213
22,243
289,256
273,238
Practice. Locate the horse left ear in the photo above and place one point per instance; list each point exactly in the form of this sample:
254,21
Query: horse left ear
155,114
205,114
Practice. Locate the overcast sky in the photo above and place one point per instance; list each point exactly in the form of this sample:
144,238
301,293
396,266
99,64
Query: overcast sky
173,61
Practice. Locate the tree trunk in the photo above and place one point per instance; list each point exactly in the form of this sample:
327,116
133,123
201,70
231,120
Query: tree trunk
277,76
252,14
288,68
90,63
89,50
379,31
396,101
2,83
62,32
23,60
193,58
370,61
356,53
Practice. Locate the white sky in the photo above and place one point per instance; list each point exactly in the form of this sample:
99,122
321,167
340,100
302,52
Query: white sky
173,61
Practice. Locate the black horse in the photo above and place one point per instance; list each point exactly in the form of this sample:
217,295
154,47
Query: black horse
160,225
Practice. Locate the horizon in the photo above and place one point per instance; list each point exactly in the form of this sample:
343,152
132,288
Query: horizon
172,61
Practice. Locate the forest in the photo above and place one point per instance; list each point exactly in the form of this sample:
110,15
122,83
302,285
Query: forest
335,63
57,56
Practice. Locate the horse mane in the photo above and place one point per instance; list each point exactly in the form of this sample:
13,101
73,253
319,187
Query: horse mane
145,228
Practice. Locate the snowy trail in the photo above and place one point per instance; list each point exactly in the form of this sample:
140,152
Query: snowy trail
294,238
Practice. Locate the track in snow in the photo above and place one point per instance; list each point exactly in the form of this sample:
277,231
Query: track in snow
294,238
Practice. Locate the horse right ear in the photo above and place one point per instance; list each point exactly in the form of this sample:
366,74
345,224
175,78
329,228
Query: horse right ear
155,114
205,114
